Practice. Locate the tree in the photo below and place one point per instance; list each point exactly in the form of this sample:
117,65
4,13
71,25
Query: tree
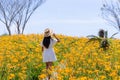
17,13
111,12
24,15
8,11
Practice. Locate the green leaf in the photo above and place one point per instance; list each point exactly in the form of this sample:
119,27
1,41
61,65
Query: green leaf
114,34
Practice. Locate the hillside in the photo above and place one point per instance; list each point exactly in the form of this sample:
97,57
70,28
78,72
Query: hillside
21,59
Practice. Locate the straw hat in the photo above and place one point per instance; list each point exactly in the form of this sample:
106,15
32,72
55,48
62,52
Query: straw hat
47,32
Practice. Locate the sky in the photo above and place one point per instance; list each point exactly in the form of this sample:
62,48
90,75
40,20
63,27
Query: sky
68,17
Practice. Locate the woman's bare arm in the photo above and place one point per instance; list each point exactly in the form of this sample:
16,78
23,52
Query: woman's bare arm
58,40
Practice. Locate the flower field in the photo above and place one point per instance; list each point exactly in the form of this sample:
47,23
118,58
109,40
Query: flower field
21,59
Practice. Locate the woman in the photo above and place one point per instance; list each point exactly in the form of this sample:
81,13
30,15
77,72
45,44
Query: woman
47,48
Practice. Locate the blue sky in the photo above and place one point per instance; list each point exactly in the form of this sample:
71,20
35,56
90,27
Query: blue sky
68,17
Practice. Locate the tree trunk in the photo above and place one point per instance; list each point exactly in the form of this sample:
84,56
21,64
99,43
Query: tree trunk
8,29
23,28
18,30
18,27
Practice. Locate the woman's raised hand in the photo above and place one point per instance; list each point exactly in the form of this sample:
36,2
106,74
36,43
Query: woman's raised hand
54,34
58,40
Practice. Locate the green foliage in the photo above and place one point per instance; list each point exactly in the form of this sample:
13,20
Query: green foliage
104,41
